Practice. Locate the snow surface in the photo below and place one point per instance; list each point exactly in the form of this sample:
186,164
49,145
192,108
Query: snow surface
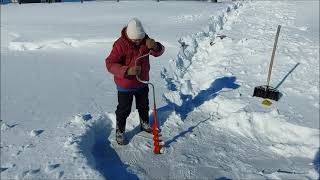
53,72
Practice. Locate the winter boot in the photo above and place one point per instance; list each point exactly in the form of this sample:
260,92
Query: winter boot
144,126
120,138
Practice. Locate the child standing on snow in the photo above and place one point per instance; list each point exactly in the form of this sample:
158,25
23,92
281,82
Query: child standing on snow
132,44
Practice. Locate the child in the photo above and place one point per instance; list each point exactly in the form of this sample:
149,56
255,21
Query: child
132,44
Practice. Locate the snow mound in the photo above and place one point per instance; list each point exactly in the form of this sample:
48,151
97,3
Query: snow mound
194,48
273,130
58,44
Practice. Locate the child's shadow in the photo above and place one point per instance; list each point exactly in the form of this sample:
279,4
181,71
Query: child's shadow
189,103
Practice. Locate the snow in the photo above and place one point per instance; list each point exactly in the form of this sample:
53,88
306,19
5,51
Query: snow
53,75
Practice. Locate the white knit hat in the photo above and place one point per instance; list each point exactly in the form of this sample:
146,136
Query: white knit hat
135,29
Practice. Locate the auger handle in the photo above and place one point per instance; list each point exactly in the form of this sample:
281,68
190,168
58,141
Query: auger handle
147,82
273,54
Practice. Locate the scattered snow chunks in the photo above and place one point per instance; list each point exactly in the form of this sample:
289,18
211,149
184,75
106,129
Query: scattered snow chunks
173,97
170,83
77,119
70,42
71,141
174,120
23,46
186,88
217,23
189,46
4,126
34,133
182,63
113,119
86,116
185,18
82,119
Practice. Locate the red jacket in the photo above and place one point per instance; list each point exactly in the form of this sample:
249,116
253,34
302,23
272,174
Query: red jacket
123,55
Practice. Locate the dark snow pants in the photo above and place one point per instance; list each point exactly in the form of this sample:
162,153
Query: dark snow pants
124,106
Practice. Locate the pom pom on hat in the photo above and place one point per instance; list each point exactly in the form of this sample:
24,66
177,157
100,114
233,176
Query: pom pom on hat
135,29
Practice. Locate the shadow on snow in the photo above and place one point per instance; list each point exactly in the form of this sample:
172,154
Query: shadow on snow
189,103
183,133
106,159
316,163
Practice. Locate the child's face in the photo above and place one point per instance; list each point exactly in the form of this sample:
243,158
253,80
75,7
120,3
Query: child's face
136,41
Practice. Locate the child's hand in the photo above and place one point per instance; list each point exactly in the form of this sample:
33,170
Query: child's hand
134,70
151,43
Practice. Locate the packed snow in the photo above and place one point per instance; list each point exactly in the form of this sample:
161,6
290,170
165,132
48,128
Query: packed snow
53,78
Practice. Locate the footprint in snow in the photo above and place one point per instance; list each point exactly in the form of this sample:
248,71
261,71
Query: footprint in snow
59,174
7,166
3,169
34,133
51,167
30,172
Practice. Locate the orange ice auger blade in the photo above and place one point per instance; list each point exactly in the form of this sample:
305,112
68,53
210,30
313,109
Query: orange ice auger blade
155,129
157,147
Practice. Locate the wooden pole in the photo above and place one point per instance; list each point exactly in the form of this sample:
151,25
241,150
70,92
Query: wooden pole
273,54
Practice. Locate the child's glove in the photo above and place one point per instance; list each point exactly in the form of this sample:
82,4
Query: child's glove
151,44
134,71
